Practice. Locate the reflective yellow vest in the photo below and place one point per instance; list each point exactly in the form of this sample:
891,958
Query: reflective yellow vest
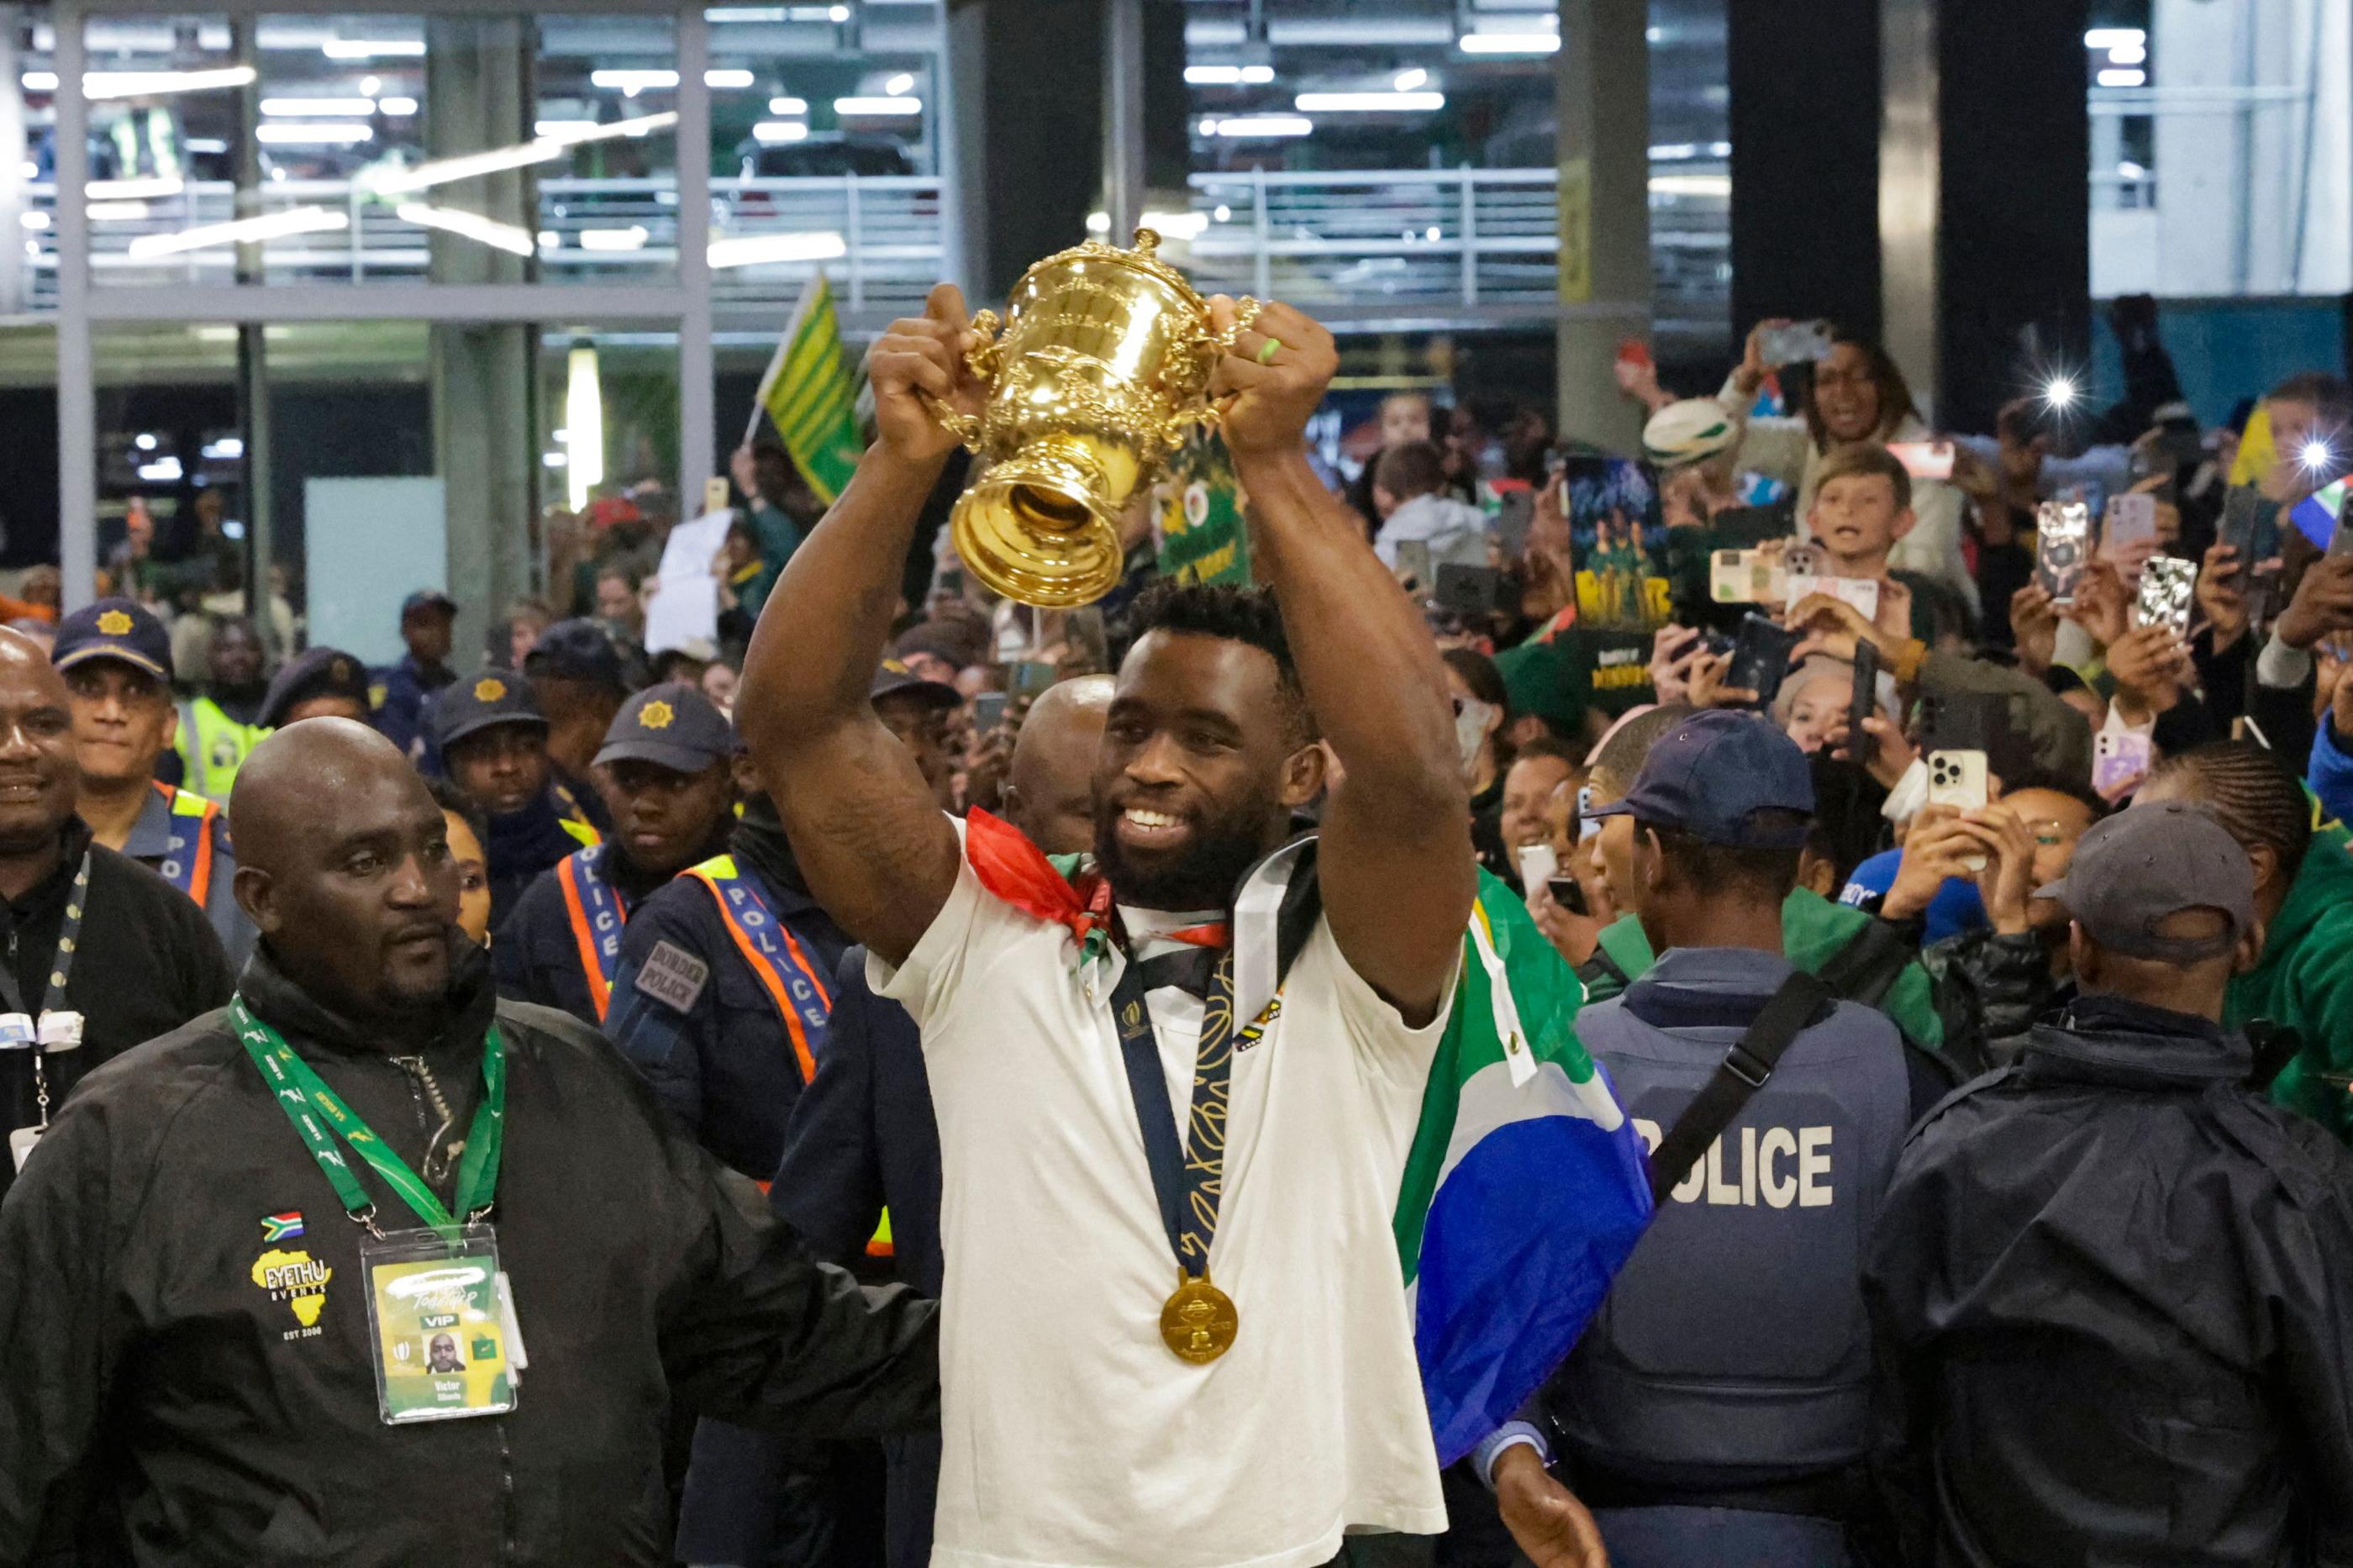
213,746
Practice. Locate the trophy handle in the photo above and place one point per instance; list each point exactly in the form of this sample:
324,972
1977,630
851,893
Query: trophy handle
1212,347
982,359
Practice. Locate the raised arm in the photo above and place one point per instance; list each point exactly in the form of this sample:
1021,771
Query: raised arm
870,839
1395,861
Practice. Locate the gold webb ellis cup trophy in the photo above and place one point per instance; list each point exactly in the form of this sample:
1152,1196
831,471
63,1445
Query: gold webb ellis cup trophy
1102,364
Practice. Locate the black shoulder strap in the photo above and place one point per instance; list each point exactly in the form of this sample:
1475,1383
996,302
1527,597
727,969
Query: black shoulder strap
1742,1073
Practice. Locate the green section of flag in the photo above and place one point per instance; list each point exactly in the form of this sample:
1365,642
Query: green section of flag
1202,539
810,395
1547,994
281,1227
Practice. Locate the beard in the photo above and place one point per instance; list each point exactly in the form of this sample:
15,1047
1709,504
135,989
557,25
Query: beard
1203,878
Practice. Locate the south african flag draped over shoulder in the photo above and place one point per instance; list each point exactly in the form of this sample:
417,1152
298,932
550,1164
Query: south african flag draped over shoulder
1526,1187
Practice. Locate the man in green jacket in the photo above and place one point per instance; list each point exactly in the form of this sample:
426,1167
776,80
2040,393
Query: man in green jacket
2303,895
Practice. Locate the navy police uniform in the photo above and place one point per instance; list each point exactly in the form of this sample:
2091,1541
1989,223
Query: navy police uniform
399,692
521,844
1717,1410
316,672
862,1150
563,944
179,834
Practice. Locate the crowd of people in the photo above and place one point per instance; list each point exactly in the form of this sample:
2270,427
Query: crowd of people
826,1078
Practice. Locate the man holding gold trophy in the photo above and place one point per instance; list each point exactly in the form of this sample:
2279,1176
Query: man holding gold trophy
1175,1085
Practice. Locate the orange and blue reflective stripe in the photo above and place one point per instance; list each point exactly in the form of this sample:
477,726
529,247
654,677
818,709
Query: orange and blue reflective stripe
598,914
785,970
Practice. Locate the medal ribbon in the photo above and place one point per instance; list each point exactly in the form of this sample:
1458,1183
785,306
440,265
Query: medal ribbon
1189,1183
313,1108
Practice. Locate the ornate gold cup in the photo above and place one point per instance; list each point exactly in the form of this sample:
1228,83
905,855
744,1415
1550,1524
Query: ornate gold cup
1103,362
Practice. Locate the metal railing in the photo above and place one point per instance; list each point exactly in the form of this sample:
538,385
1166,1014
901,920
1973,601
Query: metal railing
1468,244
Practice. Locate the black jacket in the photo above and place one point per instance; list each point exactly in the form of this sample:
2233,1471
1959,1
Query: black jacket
209,1425
146,963
1992,988
2109,1288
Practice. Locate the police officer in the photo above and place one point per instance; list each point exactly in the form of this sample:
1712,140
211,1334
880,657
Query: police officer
101,954
493,742
862,1149
2108,1283
116,658
320,683
221,723
214,1358
1716,1411
399,692
579,678
723,989
668,781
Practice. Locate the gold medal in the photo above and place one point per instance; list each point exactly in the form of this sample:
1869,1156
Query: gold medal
1199,1323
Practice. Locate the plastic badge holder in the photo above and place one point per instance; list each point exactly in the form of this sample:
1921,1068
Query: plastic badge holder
17,1032
60,1031
441,1324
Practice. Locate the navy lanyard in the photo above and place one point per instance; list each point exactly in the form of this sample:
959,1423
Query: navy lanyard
1187,1182
60,966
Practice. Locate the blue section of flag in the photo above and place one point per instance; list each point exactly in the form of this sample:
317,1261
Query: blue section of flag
1524,1237
1526,1187
282,1227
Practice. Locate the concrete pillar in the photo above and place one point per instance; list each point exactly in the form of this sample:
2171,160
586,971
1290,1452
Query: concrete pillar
1025,148
1985,199
477,89
1805,161
1602,82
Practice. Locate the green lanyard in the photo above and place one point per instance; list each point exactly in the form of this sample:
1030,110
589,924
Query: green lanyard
307,1101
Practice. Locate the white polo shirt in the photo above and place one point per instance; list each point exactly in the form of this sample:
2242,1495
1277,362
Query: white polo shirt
1073,1437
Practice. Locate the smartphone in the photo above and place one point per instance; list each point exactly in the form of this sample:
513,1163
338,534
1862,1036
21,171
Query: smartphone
2340,542
1514,510
2062,547
2168,586
1924,459
1959,778
1760,656
988,710
1413,561
2249,525
2119,762
1030,678
1745,577
1569,893
1861,745
1469,590
1797,340
2130,521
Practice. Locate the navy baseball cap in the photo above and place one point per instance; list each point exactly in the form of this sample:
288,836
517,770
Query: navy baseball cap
319,672
672,726
2132,871
115,628
895,680
426,599
494,697
1711,773
577,649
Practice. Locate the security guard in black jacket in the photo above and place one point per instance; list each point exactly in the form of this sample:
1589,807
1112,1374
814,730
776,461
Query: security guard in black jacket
96,952
2108,1284
214,1358
665,772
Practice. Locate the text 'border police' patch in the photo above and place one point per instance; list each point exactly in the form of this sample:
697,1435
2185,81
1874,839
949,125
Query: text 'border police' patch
673,976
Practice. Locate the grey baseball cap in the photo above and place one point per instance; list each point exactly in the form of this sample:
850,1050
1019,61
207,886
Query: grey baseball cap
2132,871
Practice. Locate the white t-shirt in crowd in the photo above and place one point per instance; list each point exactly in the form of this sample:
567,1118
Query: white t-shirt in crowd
1073,1437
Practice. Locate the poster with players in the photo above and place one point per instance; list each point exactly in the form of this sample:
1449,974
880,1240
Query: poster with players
1618,540
1199,521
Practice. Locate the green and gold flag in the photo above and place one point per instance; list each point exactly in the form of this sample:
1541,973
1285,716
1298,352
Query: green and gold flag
809,391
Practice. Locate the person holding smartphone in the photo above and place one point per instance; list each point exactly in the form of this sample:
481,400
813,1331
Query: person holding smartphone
1856,393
